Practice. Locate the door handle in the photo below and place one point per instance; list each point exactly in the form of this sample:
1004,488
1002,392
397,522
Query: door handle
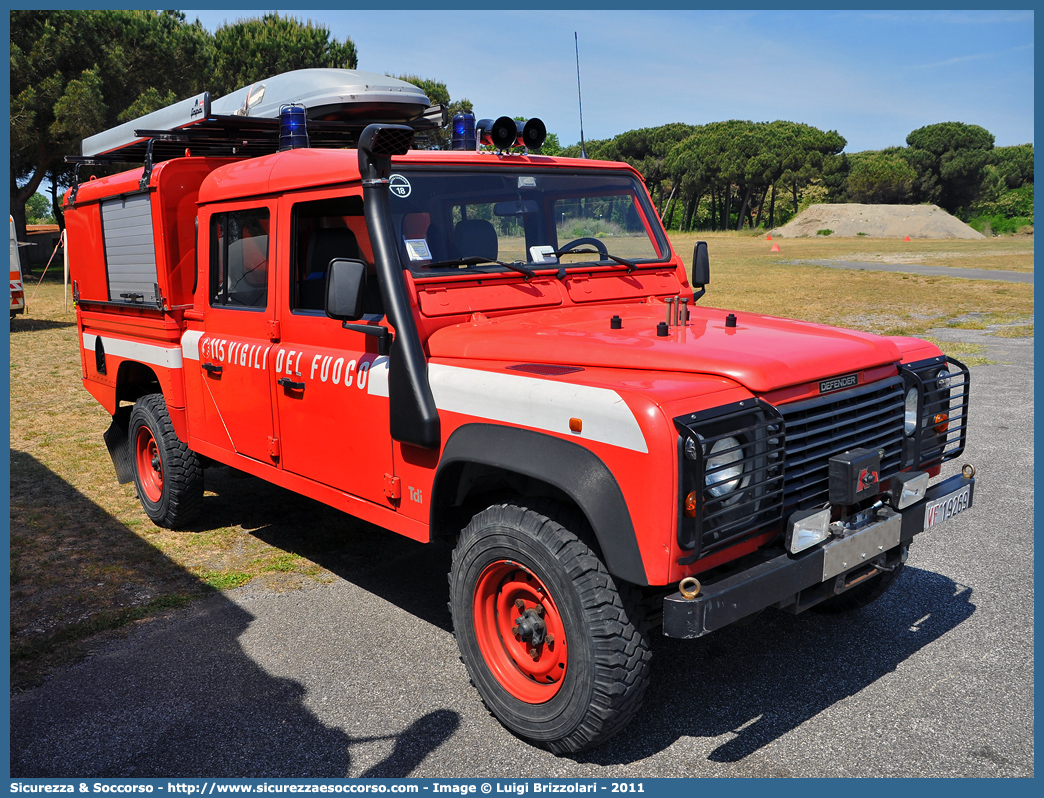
212,368
286,382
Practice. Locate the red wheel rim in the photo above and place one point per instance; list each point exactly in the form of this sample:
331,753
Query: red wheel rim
528,676
150,467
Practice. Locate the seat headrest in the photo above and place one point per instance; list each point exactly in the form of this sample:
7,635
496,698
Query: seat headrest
476,237
327,244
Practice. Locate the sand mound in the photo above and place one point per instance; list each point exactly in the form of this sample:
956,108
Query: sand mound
877,221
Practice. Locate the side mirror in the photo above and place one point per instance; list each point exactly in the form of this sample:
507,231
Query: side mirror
345,289
700,264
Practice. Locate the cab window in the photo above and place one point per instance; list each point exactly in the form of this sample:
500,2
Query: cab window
324,230
239,259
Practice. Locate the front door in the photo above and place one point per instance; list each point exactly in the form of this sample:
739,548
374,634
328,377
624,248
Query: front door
236,349
331,387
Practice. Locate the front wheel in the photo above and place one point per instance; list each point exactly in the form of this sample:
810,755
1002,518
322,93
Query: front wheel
167,474
556,648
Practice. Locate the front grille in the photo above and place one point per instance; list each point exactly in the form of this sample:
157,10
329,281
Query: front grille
870,416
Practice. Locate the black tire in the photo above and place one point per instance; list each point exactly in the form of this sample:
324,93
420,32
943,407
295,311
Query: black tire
167,475
604,667
859,596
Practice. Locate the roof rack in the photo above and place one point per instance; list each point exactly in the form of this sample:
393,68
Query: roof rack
339,103
240,136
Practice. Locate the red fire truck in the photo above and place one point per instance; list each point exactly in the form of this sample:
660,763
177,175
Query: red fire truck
501,350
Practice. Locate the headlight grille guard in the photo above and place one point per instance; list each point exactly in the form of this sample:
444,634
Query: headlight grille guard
929,447
756,504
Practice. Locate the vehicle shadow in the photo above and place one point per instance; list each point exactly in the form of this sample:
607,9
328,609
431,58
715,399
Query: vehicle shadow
752,684
403,572
177,695
22,324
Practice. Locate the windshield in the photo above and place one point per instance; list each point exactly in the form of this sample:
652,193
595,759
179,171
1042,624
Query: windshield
447,221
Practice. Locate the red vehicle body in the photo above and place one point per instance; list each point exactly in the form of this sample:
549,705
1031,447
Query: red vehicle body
591,448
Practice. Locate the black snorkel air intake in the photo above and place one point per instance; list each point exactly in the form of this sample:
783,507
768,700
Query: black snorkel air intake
414,417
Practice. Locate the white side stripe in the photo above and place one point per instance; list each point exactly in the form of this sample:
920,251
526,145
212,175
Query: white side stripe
529,402
190,344
378,377
153,354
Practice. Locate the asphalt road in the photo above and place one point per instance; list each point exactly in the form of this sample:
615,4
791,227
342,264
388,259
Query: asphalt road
361,677
921,268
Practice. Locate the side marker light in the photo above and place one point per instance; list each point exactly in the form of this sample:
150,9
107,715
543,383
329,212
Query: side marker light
691,504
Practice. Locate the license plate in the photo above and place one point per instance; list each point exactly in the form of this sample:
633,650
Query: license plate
947,507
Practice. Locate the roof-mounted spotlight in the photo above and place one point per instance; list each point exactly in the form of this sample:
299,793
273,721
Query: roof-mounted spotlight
505,132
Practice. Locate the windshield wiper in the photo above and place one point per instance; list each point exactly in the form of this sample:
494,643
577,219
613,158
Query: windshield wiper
475,260
631,266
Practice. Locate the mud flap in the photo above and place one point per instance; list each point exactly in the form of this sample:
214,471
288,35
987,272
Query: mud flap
117,439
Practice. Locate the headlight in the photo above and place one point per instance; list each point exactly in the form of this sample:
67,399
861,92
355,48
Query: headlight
910,416
723,467
942,379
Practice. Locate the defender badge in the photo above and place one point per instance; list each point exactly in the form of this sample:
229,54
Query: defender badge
837,383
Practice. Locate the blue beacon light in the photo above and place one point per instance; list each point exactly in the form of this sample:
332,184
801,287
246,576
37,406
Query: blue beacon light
464,132
293,127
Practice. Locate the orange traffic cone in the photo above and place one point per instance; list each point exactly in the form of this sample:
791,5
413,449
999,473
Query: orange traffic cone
768,237
907,238
775,248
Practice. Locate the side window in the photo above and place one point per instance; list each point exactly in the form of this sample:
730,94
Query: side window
239,259
324,230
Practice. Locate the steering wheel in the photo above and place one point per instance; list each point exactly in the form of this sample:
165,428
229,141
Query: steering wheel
579,242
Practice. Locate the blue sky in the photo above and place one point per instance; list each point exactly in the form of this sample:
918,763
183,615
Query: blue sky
871,75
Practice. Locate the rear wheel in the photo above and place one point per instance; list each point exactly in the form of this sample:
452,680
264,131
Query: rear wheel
556,648
167,475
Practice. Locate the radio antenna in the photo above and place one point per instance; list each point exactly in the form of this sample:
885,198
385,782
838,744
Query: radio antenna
579,99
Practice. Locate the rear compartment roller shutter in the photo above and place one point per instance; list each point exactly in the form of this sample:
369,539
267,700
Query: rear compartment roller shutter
130,252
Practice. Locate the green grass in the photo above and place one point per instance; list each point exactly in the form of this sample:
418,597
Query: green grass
223,580
983,321
969,354
996,224
1015,331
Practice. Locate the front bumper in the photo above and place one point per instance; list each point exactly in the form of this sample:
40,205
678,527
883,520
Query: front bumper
796,583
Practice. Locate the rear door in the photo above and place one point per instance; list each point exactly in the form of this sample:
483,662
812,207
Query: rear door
235,351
